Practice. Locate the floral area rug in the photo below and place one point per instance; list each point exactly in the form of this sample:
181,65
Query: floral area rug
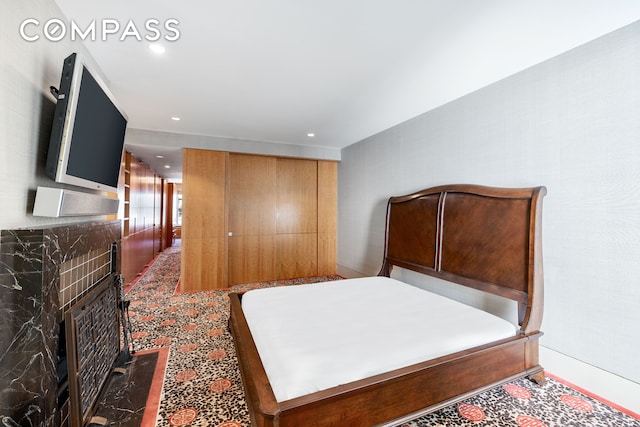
522,403
202,386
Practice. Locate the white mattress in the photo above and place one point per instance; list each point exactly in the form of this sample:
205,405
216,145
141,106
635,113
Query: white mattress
313,337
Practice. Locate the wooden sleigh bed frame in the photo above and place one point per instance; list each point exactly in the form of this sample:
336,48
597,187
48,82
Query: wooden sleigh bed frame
485,238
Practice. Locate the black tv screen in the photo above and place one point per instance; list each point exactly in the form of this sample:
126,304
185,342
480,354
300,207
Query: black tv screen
87,137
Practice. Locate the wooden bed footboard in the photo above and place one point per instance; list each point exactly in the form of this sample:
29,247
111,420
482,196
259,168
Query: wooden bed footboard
385,399
481,237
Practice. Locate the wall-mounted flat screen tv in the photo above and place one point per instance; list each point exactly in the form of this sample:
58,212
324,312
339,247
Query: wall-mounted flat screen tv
87,136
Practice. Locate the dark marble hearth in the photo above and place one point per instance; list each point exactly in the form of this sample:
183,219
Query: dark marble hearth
124,400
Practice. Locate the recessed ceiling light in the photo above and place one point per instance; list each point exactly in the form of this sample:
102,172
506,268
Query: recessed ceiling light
176,118
167,166
311,135
156,48
159,156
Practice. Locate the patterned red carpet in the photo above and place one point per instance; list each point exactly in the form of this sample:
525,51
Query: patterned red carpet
202,386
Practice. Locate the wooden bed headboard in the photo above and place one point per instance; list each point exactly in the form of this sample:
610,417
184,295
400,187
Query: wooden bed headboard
482,237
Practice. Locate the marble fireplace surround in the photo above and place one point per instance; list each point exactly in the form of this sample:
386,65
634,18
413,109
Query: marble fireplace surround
30,261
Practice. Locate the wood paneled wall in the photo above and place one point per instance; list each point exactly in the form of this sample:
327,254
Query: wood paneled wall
141,196
297,218
251,185
266,218
203,220
167,214
327,217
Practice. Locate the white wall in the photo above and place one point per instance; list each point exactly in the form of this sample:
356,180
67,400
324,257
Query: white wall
572,124
27,69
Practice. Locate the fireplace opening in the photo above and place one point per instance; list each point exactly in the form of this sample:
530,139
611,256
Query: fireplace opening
63,372
89,332
93,345
63,378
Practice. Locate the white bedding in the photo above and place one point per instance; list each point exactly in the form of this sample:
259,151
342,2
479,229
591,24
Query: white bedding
313,337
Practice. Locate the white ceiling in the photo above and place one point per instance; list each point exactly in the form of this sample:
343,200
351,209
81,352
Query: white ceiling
275,70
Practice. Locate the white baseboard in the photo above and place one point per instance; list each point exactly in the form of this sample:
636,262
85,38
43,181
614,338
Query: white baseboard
596,381
347,273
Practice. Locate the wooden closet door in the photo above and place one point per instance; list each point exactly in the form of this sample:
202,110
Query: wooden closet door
202,264
297,218
252,218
